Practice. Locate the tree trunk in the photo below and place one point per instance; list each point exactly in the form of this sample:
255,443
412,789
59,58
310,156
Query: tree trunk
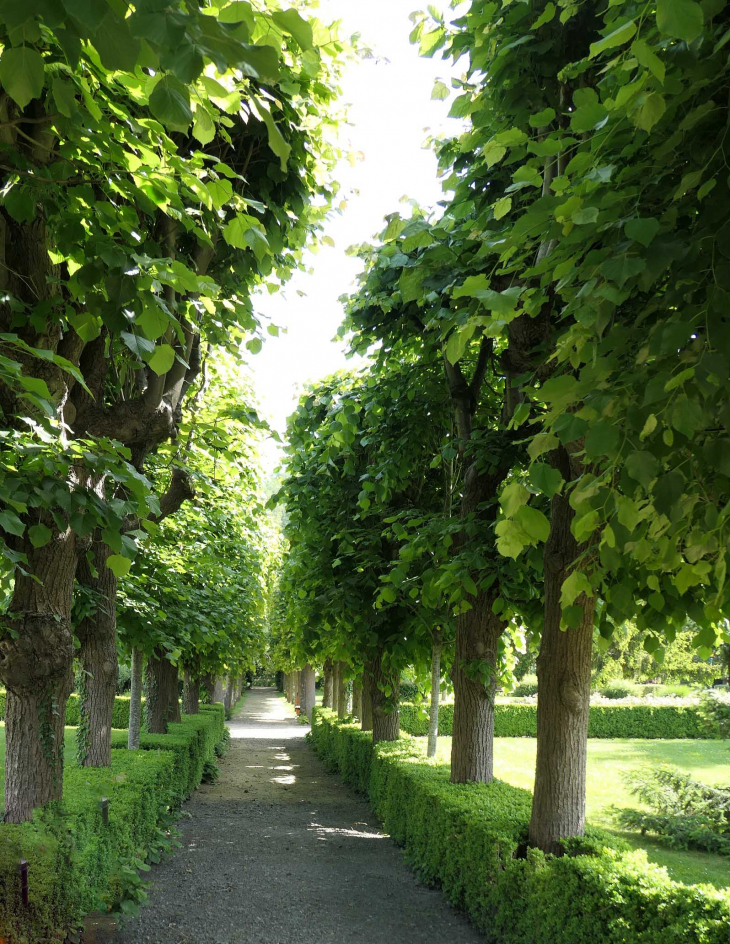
207,681
564,688
135,700
386,717
433,719
36,665
228,696
472,746
163,705
191,693
309,690
341,691
327,686
98,656
357,698
217,697
367,701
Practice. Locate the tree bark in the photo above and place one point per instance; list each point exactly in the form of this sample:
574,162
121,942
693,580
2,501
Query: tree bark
163,705
135,700
341,691
217,697
98,656
564,688
366,722
327,686
228,701
309,690
207,681
386,717
300,691
36,665
433,715
357,698
191,693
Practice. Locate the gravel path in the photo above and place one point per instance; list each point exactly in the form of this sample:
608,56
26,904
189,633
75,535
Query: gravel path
280,852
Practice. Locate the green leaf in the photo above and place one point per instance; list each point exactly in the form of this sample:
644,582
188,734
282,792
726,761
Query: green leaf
22,74
477,286
534,522
64,95
410,284
643,231
118,565
573,586
20,202
602,439
11,523
545,17
458,340
439,91
39,535
648,58
138,345
545,478
680,19
621,268
203,126
650,110
542,118
642,466
513,497
162,359
170,104
86,325
502,207
276,140
588,117
616,37
295,25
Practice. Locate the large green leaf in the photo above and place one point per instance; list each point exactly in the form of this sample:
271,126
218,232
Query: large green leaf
292,22
170,103
680,19
22,74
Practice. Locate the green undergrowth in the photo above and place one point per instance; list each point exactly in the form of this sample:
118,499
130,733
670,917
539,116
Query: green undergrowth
470,839
604,721
76,863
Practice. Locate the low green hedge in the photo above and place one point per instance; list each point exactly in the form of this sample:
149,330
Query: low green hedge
470,840
120,715
75,862
604,721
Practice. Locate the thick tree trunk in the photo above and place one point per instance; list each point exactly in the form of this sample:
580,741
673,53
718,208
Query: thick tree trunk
327,685
309,690
207,681
433,719
357,698
367,701
386,717
472,746
98,656
36,666
135,700
163,705
191,693
341,691
217,697
564,687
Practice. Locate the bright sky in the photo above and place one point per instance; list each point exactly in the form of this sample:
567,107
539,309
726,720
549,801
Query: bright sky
391,114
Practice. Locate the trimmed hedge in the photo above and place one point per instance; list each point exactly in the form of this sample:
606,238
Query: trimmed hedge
75,862
470,840
120,715
604,721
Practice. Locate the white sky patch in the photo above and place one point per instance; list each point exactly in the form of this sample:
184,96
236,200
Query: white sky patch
391,114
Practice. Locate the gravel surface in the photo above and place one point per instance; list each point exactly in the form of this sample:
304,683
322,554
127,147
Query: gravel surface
279,851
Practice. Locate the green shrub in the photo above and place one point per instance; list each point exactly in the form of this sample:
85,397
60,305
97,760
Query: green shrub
77,863
714,713
604,721
120,715
682,812
470,840
528,686
409,690
620,689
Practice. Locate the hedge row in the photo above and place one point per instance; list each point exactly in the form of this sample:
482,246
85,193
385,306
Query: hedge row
76,864
471,838
120,716
604,721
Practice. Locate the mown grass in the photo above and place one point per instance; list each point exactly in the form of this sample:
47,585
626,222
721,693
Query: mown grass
608,761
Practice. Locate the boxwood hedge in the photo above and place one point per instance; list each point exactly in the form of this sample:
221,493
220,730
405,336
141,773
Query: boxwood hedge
604,721
471,840
120,716
75,862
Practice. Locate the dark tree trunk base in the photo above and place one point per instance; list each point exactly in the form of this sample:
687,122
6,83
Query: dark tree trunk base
163,706
386,717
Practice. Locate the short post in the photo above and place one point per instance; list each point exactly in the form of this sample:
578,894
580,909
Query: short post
104,805
23,869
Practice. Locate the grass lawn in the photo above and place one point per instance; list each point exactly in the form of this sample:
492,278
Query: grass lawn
708,761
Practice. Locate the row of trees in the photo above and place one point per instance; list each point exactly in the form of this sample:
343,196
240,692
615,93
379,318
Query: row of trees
158,165
542,438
